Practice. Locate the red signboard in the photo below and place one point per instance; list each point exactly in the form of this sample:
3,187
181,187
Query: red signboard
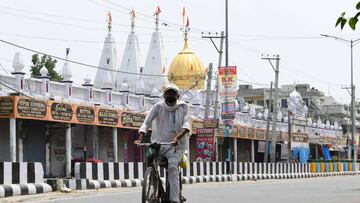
204,150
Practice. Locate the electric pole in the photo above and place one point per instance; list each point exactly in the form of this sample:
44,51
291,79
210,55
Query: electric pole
266,152
208,91
352,43
275,105
220,52
216,105
289,136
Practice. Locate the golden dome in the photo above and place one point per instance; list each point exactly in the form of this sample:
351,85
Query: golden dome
186,70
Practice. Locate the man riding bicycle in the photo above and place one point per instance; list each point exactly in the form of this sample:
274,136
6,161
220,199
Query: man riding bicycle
170,123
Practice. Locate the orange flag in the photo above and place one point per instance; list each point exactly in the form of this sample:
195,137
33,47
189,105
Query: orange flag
110,18
183,14
133,13
158,10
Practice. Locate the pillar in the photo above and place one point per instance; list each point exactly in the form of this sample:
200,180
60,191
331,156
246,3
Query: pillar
47,157
47,151
68,149
95,148
235,150
12,139
68,89
108,95
216,150
89,89
21,142
115,144
252,151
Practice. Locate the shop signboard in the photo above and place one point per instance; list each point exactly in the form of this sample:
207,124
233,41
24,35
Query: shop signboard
204,150
328,139
325,139
342,141
211,123
251,133
85,114
61,111
195,124
233,131
31,108
132,120
242,132
300,137
108,117
260,134
6,106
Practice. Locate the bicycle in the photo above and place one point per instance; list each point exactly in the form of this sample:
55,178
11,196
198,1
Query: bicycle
153,190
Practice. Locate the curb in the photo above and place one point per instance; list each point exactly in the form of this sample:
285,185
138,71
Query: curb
24,189
83,184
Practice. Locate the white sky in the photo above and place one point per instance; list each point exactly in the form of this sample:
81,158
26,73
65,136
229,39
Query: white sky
289,28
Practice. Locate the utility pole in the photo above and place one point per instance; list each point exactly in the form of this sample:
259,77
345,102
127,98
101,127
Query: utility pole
273,137
350,146
220,51
216,105
352,43
266,152
227,138
353,110
226,34
289,136
208,90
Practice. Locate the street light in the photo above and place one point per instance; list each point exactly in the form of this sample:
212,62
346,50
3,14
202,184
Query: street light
352,43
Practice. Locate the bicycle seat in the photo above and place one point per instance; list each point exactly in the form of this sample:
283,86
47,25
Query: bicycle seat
163,162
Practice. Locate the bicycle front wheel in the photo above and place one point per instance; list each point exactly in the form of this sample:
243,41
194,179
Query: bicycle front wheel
150,187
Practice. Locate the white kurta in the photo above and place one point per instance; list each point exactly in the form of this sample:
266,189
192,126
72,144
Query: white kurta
165,123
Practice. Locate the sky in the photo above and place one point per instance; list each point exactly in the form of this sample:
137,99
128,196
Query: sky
289,28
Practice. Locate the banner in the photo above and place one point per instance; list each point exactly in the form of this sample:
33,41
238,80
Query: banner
227,93
204,150
227,81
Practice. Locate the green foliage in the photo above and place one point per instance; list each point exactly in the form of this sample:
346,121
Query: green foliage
47,62
352,21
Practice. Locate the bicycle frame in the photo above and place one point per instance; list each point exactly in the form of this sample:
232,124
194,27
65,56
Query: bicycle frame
156,162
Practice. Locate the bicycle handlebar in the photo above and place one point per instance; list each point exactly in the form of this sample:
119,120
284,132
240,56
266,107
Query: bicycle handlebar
158,143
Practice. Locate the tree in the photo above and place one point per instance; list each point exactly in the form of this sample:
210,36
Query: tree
352,20
49,63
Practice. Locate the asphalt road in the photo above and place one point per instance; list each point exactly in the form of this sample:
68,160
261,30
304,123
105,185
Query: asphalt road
325,189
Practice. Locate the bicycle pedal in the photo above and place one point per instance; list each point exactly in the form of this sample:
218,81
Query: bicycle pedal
183,199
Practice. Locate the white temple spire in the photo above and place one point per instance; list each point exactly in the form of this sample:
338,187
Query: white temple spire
108,52
131,61
156,60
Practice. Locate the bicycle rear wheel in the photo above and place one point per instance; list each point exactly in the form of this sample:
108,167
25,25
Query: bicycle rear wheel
150,187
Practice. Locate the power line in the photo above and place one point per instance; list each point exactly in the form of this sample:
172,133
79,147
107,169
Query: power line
147,17
73,25
88,65
80,41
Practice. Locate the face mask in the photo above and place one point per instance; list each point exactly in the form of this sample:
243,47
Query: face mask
170,100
